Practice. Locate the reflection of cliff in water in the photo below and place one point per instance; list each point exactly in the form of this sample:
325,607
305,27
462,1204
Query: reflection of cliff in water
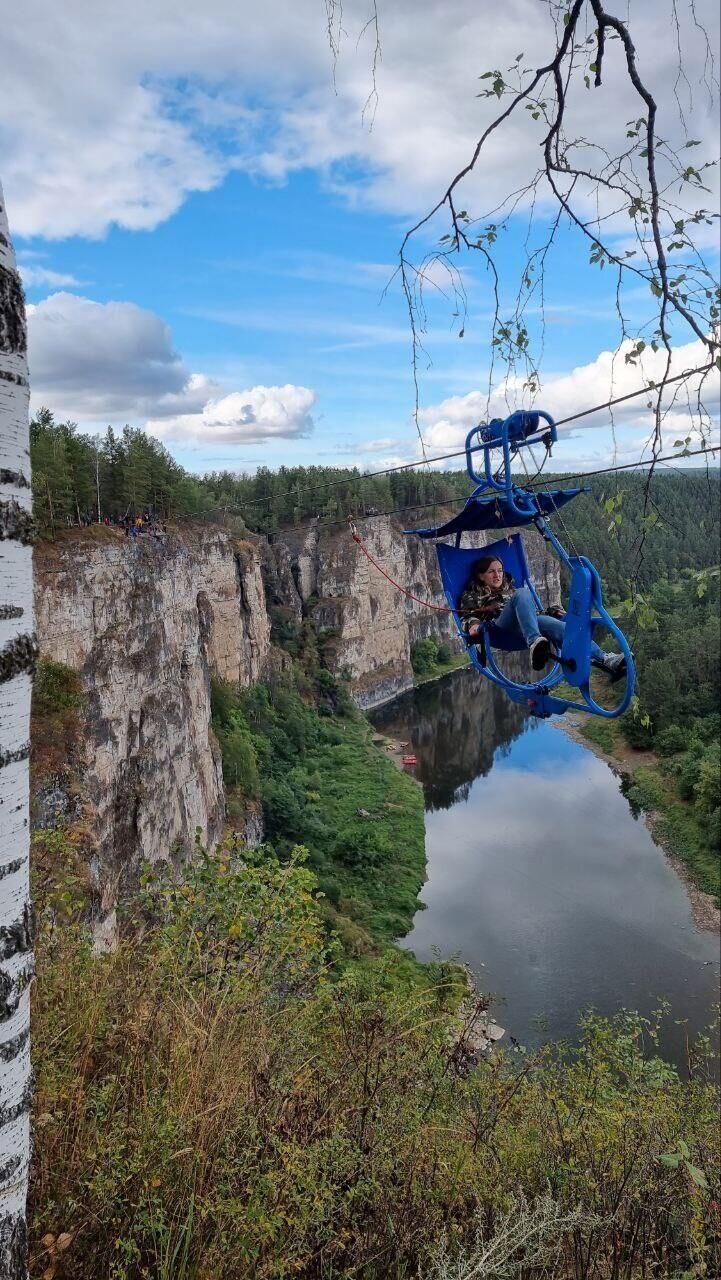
454,726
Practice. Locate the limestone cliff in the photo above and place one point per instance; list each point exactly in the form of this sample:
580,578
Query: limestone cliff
146,621
370,624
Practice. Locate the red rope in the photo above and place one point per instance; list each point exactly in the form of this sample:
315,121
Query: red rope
439,608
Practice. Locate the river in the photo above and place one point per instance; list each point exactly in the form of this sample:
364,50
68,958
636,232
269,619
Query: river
539,876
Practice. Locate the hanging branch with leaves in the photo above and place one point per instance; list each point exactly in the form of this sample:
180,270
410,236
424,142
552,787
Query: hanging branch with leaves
583,185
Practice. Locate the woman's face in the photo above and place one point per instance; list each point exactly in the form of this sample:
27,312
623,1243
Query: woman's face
493,575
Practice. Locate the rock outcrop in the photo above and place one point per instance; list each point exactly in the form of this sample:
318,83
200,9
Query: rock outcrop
146,622
370,625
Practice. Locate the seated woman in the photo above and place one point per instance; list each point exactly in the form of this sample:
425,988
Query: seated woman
511,612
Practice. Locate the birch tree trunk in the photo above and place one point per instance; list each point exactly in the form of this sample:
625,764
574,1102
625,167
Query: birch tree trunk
17,659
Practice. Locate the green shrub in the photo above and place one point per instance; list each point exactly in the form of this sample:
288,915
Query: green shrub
636,733
647,790
671,741
207,1093
282,809
424,655
57,688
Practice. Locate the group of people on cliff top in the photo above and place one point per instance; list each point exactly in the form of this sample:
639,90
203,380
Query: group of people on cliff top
490,601
132,525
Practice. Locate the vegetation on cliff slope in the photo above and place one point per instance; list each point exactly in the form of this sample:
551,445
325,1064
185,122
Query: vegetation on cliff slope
299,746
255,1085
218,1097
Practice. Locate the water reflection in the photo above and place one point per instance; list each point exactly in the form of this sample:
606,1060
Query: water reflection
538,875
456,726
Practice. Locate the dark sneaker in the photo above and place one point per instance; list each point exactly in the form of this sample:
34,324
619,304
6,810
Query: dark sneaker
541,653
614,664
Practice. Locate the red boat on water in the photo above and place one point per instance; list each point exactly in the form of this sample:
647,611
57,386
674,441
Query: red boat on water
410,760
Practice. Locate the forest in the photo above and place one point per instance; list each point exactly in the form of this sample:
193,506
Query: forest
657,548
659,564
275,1088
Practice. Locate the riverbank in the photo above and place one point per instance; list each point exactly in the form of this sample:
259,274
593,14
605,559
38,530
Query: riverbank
441,669
395,750
662,810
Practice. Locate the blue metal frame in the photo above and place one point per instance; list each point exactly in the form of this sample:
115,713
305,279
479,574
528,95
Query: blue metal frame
586,610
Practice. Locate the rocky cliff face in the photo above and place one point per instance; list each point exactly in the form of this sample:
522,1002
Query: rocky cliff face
146,621
371,624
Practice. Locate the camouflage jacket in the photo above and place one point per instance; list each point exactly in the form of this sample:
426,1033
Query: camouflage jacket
480,603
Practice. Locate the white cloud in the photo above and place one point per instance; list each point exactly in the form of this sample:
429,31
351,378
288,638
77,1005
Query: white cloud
244,417
35,274
446,424
376,446
115,362
116,120
108,361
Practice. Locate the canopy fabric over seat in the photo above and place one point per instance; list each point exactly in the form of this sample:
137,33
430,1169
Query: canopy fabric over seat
496,512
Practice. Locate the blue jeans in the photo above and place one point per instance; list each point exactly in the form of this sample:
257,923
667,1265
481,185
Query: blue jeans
518,621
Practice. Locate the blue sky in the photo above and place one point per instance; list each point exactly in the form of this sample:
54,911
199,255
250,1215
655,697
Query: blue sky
206,233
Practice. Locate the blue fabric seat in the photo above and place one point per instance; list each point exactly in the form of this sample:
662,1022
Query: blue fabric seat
498,502
456,564
585,612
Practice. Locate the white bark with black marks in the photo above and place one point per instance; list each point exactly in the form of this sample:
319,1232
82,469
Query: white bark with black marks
17,658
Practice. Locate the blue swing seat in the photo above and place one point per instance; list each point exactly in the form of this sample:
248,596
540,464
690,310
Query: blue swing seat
585,613
499,503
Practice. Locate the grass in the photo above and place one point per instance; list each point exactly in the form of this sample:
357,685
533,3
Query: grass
653,790
306,754
600,733
442,668
217,1097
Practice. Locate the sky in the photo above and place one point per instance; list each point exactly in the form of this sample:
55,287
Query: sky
207,207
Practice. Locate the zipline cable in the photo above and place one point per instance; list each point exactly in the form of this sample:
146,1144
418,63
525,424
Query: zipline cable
461,453
439,608
423,506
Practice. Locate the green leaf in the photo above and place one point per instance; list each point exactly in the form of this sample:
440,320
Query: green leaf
698,1175
671,1160
566,19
